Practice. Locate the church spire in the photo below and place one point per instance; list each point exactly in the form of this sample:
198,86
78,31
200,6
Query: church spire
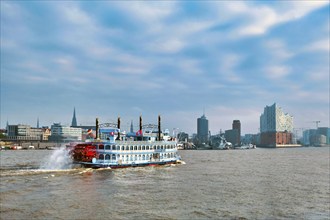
38,122
74,120
132,127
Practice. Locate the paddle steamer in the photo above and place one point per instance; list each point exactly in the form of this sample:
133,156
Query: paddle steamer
111,148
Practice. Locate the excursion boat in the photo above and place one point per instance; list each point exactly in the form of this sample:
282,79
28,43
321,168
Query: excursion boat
113,149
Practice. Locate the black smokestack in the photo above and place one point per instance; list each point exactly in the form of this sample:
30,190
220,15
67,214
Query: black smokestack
159,128
140,123
97,128
118,126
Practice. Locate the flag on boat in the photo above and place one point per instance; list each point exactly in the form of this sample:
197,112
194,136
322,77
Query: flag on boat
112,133
139,133
90,133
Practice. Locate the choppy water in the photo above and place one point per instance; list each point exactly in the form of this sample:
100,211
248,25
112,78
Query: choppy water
236,184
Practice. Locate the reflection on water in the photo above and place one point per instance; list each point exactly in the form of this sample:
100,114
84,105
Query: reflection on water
255,184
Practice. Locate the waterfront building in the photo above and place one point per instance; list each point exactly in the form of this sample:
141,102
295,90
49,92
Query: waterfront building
233,136
61,133
74,120
46,132
274,119
276,127
202,129
24,133
250,139
316,137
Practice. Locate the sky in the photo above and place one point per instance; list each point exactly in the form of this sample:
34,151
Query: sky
178,59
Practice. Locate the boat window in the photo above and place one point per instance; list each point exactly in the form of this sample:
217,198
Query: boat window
143,157
135,147
143,147
107,157
131,147
113,156
113,147
101,147
148,148
107,147
122,147
135,158
139,147
101,157
127,147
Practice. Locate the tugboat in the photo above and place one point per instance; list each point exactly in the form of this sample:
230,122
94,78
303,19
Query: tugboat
109,149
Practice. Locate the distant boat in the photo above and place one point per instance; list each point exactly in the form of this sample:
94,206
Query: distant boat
16,147
139,149
248,146
224,144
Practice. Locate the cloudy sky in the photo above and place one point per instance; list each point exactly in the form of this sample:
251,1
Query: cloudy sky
178,59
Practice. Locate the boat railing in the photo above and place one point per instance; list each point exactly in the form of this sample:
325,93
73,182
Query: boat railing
143,142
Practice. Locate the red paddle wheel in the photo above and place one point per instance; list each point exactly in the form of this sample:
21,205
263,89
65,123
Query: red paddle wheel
83,152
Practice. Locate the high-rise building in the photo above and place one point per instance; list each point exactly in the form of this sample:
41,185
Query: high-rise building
203,129
276,127
237,126
74,120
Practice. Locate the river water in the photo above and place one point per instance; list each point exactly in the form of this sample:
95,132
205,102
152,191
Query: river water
233,184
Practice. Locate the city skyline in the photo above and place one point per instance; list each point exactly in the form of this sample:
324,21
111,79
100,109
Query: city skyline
110,59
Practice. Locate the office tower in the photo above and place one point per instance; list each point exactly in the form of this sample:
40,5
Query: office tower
203,129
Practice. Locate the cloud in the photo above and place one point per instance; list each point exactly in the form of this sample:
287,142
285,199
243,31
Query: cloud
320,45
172,57
166,45
276,72
278,49
258,18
